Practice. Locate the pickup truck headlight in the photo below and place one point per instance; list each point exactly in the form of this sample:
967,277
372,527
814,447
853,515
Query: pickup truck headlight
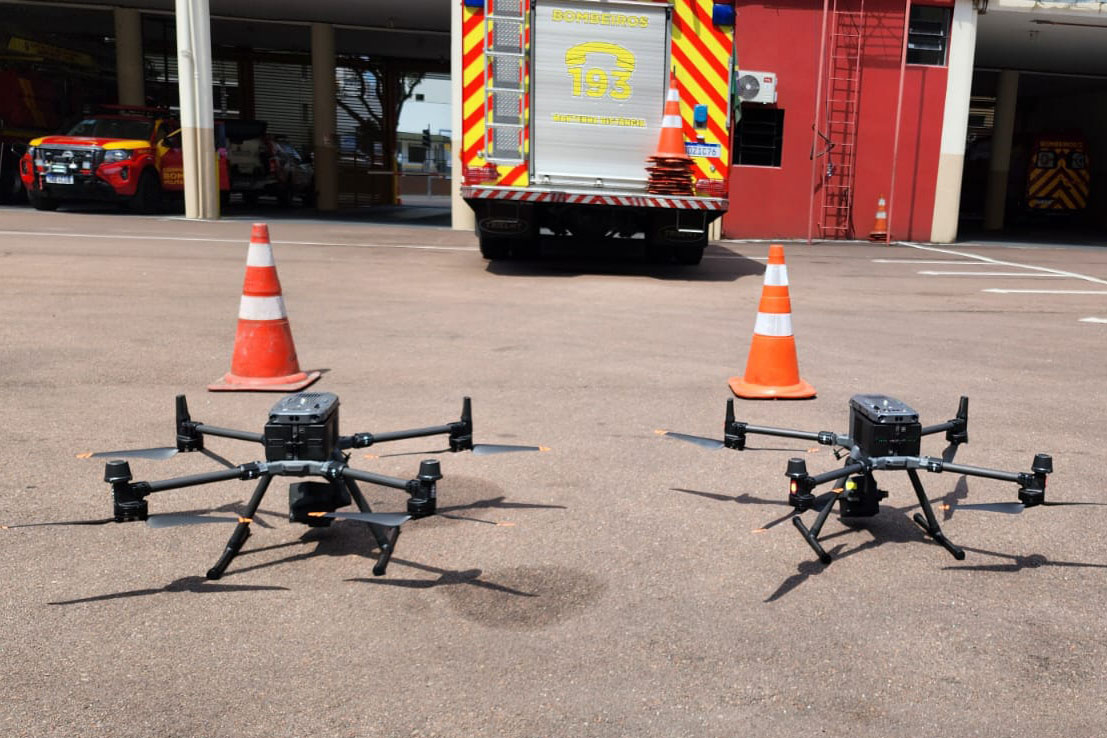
117,155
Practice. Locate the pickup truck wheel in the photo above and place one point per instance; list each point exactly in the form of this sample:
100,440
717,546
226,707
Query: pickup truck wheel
495,248
147,197
41,202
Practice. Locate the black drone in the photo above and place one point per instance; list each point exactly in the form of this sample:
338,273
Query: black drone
885,434
301,440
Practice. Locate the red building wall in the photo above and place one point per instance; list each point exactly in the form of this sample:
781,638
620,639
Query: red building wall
774,202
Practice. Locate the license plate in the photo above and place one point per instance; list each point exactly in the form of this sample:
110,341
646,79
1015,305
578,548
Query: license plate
703,149
59,179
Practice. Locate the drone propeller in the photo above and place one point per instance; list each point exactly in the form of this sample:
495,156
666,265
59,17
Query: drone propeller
170,520
709,443
158,454
387,520
59,522
1013,508
487,449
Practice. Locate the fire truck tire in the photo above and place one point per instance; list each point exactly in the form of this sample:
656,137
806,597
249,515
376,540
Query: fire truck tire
41,202
495,248
147,197
688,254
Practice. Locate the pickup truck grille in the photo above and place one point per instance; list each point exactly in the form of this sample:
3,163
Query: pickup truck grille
73,158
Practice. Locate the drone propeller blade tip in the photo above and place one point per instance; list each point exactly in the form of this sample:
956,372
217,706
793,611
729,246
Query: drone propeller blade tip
84,455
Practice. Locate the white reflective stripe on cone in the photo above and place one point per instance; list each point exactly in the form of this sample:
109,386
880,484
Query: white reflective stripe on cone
260,255
776,275
671,121
261,308
673,96
773,324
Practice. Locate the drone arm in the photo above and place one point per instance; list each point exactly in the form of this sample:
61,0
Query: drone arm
800,495
364,440
422,489
211,430
372,478
244,471
734,432
957,429
1031,484
826,438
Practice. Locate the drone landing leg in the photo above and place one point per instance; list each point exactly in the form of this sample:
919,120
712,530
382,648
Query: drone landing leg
386,543
812,535
242,530
930,522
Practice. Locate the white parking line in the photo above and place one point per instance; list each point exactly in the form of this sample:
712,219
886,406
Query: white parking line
997,262
1093,320
991,274
923,261
1044,292
120,236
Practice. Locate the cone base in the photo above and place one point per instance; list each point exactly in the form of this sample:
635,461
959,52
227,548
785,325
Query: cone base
801,390
288,383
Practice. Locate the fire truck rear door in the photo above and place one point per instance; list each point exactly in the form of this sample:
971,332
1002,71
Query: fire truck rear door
599,80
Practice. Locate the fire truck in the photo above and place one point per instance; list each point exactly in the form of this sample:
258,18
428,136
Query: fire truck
129,155
1059,174
564,106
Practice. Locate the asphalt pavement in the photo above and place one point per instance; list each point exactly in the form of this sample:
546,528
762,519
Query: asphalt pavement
621,583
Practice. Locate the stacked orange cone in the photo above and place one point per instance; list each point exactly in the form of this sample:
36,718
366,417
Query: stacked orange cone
880,225
671,173
772,370
264,356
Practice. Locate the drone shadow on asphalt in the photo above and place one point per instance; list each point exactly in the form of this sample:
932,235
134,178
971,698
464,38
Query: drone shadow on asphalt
888,527
719,265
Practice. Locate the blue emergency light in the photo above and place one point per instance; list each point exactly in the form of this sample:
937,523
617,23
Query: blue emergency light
722,14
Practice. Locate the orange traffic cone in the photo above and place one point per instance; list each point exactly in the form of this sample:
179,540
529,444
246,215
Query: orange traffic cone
671,170
880,226
772,370
264,356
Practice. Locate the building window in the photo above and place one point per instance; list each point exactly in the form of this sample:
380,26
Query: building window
928,35
759,137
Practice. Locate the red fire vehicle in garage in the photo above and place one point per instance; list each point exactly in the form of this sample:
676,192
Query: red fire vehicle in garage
129,155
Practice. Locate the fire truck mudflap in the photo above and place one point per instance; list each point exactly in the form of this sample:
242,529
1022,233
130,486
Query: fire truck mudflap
563,105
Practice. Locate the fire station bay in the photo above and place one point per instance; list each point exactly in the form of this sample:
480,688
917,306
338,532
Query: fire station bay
957,118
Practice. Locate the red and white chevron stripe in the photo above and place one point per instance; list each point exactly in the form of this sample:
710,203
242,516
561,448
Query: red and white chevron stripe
576,198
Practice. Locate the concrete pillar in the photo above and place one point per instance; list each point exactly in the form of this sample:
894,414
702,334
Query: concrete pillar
955,123
201,178
130,80
1003,131
325,133
462,217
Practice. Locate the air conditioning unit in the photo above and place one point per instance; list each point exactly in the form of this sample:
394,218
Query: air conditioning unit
755,87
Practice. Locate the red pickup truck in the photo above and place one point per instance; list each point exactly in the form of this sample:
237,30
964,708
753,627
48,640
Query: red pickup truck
127,155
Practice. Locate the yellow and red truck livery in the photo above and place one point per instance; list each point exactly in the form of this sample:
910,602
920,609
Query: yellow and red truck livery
563,106
129,155
1059,173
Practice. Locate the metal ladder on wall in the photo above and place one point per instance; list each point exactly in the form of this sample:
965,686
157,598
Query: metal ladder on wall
838,132
504,29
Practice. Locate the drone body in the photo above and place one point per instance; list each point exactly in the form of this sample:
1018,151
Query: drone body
301,439
885,434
